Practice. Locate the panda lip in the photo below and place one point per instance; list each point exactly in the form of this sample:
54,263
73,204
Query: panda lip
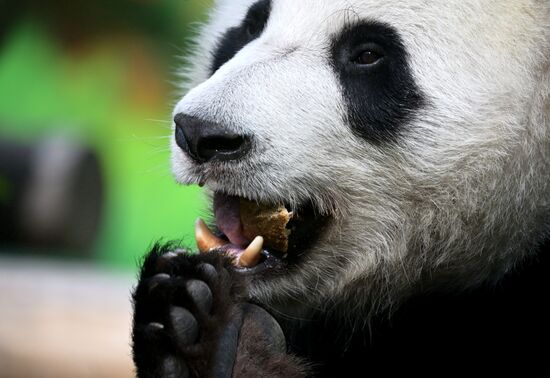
229,237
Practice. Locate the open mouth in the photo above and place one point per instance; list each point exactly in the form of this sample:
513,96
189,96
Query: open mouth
260,236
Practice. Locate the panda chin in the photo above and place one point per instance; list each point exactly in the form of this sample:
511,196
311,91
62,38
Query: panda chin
251,256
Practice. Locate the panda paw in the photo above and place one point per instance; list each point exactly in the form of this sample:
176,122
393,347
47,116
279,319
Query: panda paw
191,319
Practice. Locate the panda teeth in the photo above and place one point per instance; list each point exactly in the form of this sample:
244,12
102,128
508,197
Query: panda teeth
252,254
206,240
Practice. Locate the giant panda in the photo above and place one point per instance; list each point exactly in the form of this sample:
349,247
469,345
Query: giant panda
411,142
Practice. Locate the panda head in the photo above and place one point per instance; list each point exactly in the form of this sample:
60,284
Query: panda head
414,138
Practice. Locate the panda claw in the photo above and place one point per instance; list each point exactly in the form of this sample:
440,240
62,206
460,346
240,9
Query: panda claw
155,327
153,333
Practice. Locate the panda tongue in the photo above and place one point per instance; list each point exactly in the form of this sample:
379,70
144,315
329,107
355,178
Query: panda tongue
244,258
228,219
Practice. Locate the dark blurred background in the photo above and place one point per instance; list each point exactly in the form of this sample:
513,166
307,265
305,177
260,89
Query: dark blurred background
86,90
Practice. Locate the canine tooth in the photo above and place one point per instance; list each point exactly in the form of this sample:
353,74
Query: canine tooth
206,240
252,254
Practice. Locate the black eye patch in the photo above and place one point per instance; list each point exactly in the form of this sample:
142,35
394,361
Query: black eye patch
238,37
380,93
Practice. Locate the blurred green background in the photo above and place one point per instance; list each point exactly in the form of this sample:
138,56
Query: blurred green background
86,95
103,72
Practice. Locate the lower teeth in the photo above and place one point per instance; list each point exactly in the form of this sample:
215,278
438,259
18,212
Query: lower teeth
207,241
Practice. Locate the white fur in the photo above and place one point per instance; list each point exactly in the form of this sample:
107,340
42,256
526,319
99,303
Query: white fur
457,201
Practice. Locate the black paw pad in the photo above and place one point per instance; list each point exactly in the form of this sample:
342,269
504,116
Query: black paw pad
181,315
174,368
184,325
158,280
201,295
208,272
166,261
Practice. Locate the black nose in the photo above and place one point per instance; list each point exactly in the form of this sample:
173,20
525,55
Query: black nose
205,141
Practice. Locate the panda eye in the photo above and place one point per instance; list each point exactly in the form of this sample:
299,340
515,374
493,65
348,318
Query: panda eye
367,58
